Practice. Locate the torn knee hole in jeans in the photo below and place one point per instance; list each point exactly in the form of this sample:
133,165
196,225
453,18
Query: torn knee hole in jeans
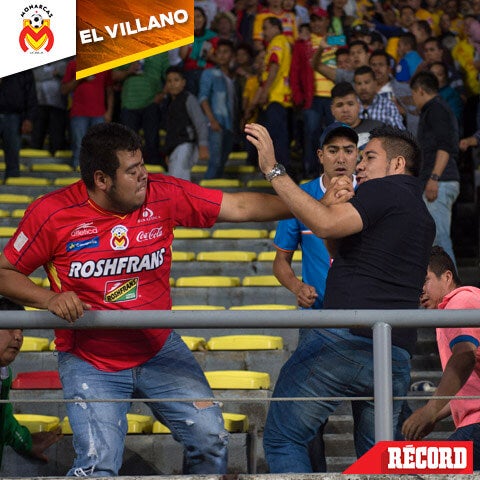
201,405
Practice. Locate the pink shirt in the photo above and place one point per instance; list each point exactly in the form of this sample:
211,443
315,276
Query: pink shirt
464,412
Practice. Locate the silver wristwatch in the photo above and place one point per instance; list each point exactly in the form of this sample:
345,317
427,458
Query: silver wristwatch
277,171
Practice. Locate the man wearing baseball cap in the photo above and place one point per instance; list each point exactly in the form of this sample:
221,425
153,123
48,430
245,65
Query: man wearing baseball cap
382,235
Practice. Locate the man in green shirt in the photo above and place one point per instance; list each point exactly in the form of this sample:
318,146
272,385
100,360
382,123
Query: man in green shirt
11,432
142,91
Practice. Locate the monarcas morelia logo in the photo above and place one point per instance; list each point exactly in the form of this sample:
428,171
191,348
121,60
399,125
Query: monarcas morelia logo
36,35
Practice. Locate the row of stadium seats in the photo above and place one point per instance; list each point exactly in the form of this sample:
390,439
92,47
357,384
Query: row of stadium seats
224,342
204,281
137,424
218,380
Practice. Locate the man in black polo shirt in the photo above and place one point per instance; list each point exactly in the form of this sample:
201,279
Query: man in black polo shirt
383,237
438,137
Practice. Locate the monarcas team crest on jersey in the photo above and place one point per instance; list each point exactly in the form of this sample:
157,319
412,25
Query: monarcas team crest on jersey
119,240
36,35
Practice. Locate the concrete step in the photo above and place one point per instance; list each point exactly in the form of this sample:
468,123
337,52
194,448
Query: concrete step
144,455
231,296
214,244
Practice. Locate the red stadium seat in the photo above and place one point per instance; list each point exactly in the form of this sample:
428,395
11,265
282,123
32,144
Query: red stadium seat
44,380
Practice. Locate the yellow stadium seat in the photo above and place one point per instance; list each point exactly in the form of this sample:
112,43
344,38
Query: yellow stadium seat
260,281
226,256
191,233
264,306
28,181
238,379
245,342
159,427
65,181
199,168
52,167
63,154
66,428
15,198
198,307
302,182
46,283
52,346
18,213
239,233
171,281
238,156
183,256
240,169
259,183
194,343
154,168
23,168
37,423
208,281
7,232
139,423
270,256
35,344
234,423
4,213
32,309
220,183
34,153
272,234
136,424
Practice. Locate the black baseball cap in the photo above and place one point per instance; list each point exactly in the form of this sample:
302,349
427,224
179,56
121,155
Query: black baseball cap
338,129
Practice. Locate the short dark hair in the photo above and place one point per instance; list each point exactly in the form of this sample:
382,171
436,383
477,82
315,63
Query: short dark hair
7,304
342,89
441,262
426,80
223,42
248,48
359,42
383,53
434,40
425,26
364,69
408,39
175,69
100,146
274,22
440,64
399,142
342,51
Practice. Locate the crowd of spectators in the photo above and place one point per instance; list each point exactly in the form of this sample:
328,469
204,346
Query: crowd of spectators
283,59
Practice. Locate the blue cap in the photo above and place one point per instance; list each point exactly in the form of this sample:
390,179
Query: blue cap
338,129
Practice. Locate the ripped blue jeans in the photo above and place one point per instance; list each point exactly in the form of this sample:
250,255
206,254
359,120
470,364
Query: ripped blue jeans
99,429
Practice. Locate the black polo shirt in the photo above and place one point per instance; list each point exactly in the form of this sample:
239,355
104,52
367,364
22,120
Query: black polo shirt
384,265
438,130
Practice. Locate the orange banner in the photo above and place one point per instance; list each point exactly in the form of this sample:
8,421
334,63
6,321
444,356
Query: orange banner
113,33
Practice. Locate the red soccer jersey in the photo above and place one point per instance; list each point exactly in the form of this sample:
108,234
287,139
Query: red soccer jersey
111,261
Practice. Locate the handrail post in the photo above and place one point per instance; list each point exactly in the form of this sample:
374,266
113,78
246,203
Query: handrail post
382,381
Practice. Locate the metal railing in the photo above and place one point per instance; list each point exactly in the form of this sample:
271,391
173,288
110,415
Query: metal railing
381,321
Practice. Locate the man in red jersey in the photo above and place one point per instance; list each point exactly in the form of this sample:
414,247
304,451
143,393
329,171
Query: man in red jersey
105,245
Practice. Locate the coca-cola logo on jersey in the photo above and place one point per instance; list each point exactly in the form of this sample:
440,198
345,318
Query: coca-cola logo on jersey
150,235
84,229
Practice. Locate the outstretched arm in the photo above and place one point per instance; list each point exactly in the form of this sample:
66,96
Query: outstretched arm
252,207
332,221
